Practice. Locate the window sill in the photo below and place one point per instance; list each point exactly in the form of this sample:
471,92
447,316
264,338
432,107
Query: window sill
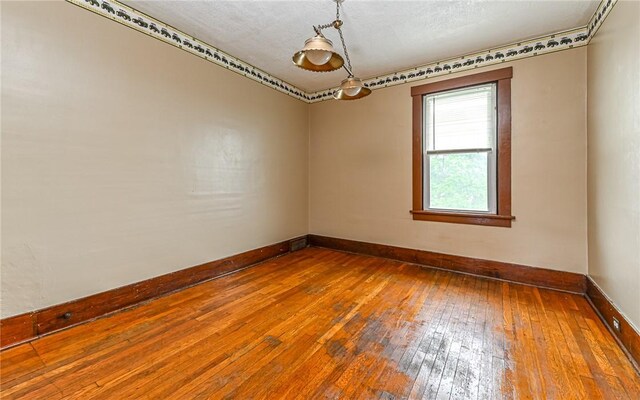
463,218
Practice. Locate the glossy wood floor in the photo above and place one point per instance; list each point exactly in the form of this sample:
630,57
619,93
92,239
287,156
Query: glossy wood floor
324,324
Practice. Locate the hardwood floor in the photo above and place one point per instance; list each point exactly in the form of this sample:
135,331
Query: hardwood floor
324,324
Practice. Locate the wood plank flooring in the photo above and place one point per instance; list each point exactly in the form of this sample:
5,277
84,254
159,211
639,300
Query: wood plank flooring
324,324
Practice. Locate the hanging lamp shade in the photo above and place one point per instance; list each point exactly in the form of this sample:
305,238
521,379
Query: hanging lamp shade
351,89
318,55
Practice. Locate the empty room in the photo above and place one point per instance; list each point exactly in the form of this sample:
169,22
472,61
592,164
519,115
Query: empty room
321,199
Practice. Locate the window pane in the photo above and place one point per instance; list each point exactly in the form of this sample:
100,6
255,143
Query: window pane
461,119
458,181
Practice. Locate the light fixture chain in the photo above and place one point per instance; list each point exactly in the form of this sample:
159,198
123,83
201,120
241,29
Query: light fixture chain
344,46
346,53
319,28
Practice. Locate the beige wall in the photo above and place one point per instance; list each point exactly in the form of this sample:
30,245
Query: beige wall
360,171
124,158
614,158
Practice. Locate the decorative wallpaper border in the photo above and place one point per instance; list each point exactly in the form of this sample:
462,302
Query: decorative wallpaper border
598,17
529,48
139,21
538,46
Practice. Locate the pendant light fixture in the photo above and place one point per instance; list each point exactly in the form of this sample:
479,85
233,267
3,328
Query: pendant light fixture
318,55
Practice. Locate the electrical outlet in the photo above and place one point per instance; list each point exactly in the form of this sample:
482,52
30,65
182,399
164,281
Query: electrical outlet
616,324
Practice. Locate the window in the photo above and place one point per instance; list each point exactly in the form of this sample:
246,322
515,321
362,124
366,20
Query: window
459,149
462,146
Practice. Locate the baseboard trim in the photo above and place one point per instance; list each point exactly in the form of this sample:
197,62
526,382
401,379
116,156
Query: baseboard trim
541,277
29,326
628,338
25,327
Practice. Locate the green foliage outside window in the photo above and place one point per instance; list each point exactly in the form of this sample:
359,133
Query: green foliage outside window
458,181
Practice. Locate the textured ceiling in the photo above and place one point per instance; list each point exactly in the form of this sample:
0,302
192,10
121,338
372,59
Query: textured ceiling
382,36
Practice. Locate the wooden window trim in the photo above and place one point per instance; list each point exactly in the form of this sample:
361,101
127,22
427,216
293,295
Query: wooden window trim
502,77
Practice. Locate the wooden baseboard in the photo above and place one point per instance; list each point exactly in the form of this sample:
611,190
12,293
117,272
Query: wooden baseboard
542,277
17,329
28,326
628,337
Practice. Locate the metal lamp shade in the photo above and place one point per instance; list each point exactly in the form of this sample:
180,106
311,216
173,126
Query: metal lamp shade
350,83
318,43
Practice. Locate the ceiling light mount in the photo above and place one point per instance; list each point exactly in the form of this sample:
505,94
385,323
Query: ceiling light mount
318,55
